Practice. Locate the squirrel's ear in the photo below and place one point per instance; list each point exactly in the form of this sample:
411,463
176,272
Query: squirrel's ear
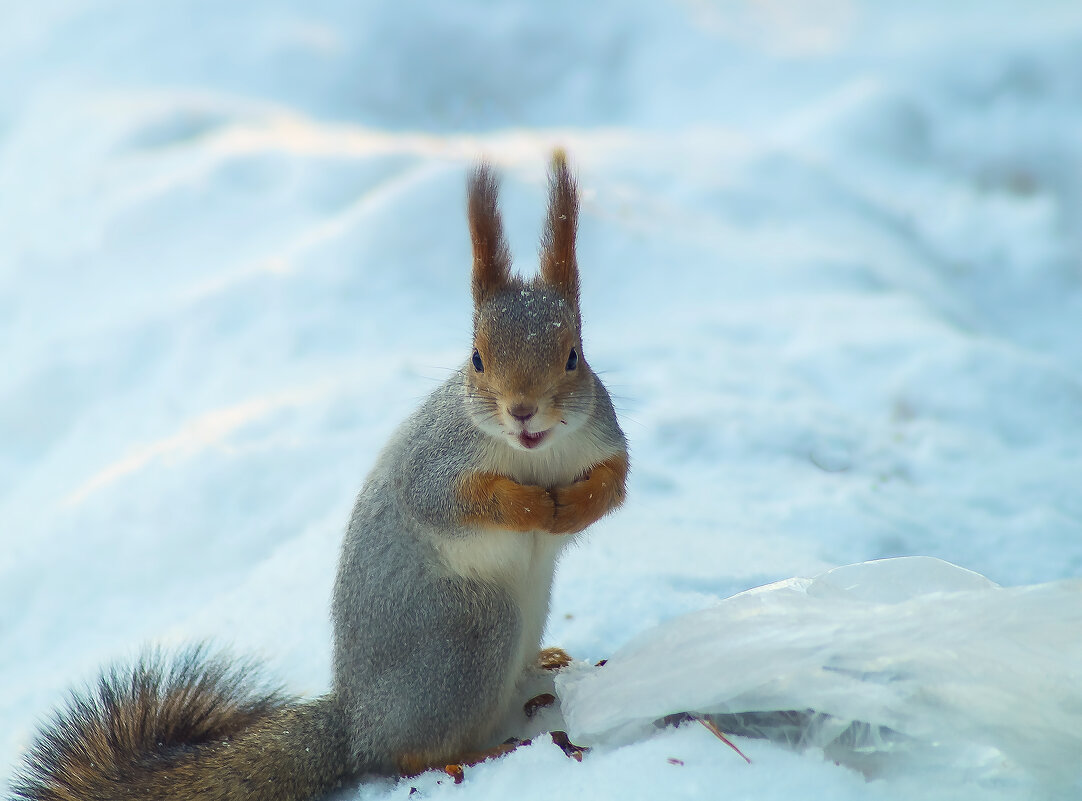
491,257
558,264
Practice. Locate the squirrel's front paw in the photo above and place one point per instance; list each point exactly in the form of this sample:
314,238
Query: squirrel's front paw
494,500
577,506
586,501
529,507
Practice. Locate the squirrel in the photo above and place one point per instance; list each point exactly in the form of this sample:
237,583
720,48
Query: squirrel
443,583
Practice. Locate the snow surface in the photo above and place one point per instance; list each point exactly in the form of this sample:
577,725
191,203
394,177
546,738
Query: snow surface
831,273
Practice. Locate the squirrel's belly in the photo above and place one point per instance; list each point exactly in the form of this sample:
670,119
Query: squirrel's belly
520,563
535,593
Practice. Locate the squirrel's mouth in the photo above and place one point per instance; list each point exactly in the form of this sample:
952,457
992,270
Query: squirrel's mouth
529,441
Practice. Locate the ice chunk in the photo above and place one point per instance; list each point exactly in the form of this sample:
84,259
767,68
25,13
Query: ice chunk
880,664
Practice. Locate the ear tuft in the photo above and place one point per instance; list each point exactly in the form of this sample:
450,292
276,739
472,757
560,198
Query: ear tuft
558,265
491,256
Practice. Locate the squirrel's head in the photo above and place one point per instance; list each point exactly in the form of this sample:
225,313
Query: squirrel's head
528,383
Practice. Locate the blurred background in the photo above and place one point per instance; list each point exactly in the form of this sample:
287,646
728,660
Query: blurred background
831,273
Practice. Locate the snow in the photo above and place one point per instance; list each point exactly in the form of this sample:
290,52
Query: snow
831,274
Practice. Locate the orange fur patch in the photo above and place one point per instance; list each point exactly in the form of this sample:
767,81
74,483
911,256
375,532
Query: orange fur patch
492,500
587,501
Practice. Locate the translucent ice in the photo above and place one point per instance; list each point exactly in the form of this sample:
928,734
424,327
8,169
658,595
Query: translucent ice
883,665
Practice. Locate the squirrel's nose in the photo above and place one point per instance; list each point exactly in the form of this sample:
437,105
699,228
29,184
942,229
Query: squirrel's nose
522,411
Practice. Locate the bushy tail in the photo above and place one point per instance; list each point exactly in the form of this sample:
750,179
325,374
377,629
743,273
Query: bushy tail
188,728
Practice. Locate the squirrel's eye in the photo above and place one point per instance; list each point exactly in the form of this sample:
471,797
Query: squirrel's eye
572,360
478,365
